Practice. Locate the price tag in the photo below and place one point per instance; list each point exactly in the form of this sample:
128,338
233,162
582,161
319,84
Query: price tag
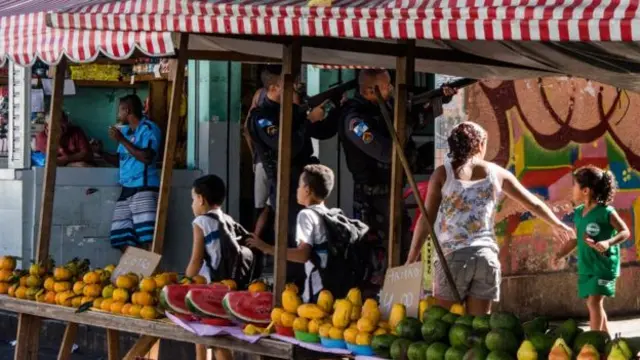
402,284
137,261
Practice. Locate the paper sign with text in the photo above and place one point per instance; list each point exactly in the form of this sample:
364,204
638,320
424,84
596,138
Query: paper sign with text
402,284
137,261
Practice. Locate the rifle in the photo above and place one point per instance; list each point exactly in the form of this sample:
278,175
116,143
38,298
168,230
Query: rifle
334,93
427,96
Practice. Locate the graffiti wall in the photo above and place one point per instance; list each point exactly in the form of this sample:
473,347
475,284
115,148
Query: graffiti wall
541,129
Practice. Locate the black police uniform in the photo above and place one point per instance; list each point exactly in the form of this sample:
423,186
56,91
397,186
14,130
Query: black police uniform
263,128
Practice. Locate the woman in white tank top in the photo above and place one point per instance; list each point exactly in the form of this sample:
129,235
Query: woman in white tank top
462,199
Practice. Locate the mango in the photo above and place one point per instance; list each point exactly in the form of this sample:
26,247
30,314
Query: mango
325,301
342,314
311,311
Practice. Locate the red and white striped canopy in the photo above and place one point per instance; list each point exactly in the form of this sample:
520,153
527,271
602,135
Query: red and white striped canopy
517,20
24,36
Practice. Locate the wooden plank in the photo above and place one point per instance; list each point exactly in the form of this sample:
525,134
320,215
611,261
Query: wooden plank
49,183
170,144
67,341
291,56
28,337
113,344
140,348
156,329
108,84
404,80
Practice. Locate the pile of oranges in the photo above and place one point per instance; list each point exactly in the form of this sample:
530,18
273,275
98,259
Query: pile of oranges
7,268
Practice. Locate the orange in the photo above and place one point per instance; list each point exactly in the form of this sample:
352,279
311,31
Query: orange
110,268
107,292
21,292
92,290
97,303
120,295
67,303
35,269
149,313
199,279
76,301
134,277
7,263
62,274
64,298
143,298
31,293
61,286
293,287
4,288
12,290
162,280
125,309
23,280
41,296
125,282
91,278
5,275
34,281
86,299
116,307
148,284
50,297
173,277
257,286
49,283
134,310
78,287
186,281
106,304
230,283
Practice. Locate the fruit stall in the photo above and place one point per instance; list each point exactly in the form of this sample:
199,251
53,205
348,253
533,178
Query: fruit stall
278,326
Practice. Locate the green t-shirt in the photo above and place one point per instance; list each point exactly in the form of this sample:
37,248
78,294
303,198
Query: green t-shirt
596,225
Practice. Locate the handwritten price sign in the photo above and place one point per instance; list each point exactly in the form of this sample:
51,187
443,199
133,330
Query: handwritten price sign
402,284
137,261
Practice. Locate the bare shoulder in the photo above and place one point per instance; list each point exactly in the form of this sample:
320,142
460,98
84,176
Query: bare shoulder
500,172
439,174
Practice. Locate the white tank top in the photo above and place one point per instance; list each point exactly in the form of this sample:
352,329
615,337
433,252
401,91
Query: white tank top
466,216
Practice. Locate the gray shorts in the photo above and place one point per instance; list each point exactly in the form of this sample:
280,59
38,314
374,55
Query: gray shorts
476,272
260,187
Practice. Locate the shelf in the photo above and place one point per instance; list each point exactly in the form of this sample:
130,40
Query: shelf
108,84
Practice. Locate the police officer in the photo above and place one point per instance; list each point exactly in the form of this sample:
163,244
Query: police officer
368,147
263,128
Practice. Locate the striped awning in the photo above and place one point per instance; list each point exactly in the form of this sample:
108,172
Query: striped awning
517,20
25,37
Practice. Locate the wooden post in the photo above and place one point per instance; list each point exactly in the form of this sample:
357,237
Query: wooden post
29,325
170,144
291,59
405,65
67,341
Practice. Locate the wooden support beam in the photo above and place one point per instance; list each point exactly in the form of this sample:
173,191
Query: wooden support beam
170,144
67,341
291,59
113,344
405,66
28,337
141,347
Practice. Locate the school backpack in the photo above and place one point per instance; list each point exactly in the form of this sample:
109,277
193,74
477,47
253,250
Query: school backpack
348,256
237,262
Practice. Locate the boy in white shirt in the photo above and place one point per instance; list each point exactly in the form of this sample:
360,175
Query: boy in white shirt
314,186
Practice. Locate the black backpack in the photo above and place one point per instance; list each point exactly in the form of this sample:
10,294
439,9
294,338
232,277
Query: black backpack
237,262
348,256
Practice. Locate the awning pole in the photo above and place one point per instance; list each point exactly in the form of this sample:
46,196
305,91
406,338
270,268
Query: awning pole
416,194
291,59
405,66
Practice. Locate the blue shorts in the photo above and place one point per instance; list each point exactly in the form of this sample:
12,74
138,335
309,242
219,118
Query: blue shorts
134,217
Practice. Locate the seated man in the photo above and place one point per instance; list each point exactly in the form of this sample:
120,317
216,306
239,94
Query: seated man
74,148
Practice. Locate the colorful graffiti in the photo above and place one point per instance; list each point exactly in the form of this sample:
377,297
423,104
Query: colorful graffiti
541,129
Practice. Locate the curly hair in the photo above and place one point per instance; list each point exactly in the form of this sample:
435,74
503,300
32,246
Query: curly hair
465,140
601,182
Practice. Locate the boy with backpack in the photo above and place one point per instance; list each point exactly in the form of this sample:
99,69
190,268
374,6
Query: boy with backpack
328,242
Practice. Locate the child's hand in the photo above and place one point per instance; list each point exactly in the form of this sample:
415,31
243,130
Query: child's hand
601,246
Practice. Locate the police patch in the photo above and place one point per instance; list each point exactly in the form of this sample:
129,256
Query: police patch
263,123
272,130
360,128
367,137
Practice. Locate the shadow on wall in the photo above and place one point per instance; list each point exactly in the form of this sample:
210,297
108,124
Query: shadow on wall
546,128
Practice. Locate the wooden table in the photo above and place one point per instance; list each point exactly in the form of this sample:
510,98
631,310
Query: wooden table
157,329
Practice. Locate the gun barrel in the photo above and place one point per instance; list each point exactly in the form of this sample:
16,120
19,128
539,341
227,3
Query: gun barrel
424,97
332,92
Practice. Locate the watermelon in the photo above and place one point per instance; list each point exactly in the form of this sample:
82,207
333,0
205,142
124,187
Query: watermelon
247,307
207,302
172,297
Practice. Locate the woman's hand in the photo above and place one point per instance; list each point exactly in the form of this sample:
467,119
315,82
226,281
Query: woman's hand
564,233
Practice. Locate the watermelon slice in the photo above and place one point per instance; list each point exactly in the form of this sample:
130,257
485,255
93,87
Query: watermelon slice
172,297
207,302
246,307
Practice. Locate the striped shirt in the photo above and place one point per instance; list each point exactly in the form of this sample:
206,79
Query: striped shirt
210,229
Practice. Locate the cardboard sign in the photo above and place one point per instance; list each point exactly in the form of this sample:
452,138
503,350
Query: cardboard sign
137,261
402,284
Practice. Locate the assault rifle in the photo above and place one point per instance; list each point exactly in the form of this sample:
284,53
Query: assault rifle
333,94
427,96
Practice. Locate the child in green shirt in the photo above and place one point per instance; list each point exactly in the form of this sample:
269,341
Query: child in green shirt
599,231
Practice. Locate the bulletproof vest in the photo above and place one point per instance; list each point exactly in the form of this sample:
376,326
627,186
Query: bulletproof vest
270,110
367,170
